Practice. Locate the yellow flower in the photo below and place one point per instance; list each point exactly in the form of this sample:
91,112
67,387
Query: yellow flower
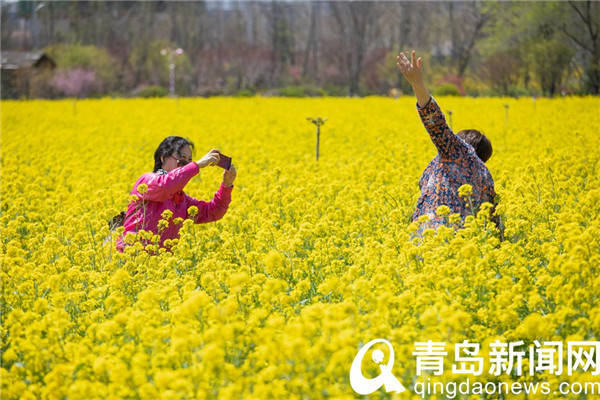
465,190
329,285
239,280
197,300
486,208
443,210
273,262
40,305
192,211
162,224
130,238
454,218
423,218
142,188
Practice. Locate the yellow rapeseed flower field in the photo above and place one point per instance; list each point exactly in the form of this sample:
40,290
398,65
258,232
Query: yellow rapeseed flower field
312,260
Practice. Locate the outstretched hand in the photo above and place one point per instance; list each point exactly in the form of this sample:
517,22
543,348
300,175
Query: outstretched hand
412,71
211,158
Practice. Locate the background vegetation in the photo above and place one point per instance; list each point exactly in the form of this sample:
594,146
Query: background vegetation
310,48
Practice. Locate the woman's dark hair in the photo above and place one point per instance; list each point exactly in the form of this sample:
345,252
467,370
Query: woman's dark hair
172,144
480,143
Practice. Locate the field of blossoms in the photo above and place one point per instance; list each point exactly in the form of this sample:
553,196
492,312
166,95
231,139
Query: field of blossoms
312,260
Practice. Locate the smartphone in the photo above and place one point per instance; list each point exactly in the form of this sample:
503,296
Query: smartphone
224,161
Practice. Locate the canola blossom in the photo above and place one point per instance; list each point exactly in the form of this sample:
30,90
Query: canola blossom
311,261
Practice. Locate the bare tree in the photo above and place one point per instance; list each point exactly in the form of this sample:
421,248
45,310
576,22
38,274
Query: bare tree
400,15
354,23
281,39
466,30
586,35
501,70
311,52
142,42
334,43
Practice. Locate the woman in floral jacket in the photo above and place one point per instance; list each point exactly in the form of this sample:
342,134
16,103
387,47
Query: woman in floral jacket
460,160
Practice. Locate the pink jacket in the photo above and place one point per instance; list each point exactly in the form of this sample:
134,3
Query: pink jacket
165,192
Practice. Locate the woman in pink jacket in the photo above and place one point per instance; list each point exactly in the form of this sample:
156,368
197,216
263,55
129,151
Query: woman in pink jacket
173,169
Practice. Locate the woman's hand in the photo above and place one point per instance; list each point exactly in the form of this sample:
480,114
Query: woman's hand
414,75
411,69
229,176
211,158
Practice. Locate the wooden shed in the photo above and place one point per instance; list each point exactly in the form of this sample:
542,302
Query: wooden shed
20,69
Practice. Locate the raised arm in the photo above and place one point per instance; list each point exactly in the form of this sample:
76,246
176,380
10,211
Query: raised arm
161,187
447,143
214,210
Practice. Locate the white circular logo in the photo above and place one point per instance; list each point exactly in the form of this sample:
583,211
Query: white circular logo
362,385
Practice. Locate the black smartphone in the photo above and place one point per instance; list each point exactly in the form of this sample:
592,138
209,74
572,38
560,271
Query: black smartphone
224,161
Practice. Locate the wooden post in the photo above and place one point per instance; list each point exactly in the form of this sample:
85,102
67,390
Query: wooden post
318,122
318,139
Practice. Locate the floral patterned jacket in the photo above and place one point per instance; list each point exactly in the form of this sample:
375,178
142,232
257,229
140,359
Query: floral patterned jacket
455,164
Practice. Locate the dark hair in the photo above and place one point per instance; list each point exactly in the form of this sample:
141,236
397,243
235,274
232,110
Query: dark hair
478,141
167,147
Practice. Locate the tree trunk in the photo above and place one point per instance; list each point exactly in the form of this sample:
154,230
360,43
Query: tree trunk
311,44
403,32
354,16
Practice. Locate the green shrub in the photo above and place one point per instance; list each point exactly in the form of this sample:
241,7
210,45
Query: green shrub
153,91
335,90
518,91
244,93
301,91
292,91
447,89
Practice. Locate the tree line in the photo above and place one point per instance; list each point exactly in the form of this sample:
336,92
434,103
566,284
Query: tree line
308,48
